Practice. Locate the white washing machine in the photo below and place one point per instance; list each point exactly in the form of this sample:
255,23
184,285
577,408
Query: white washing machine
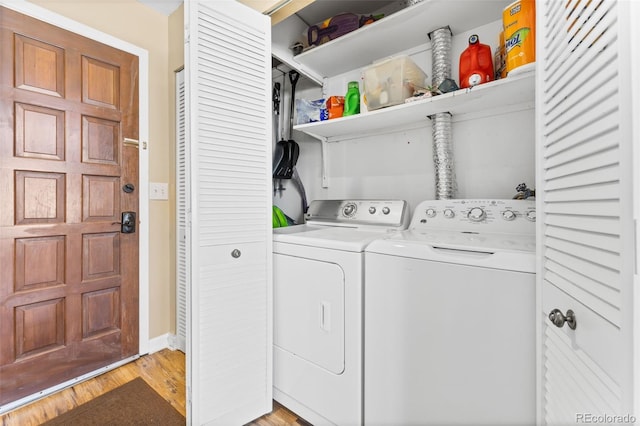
318,312
450,317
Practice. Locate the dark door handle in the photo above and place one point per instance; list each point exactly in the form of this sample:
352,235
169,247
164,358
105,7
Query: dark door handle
128,223
558,318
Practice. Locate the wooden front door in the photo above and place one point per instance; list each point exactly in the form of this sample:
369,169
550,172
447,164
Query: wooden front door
68,275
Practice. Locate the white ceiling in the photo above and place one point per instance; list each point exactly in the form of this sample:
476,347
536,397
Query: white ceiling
320,10
312,14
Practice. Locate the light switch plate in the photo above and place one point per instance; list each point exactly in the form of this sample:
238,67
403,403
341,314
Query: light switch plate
158,191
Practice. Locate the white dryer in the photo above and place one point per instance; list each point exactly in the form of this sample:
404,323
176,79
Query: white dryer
318,311
450,317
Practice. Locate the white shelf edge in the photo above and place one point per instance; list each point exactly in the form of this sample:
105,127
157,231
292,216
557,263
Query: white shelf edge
498,94
402,30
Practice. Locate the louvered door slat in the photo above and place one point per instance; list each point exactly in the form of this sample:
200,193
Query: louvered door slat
590,140
608,276
579,400
588,112
551,16
228,88
593,239
606,292
585,208
597,379
594,389
182,197
600,191
600,257
584,216
568,43
579,48
608,173
603,224
585,162
589,75
574,104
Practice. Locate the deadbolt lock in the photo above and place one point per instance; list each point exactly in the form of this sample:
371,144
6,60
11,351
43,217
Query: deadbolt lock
128,223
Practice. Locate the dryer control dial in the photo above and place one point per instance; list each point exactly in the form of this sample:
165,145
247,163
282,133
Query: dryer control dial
386,210
531,215
372,210
449,214
431,212
508,215
476,214
349,210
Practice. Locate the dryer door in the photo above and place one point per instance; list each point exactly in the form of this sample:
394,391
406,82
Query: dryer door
309,310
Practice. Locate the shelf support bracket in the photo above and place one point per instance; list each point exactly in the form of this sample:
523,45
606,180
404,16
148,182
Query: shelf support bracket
324,141
325,162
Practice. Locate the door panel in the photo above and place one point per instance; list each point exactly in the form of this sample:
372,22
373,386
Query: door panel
309,314
229,236
68,277
39,66
584,210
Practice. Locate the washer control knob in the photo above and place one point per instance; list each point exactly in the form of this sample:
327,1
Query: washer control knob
372,210
431,212
386,210
449,214
531,215
476,214
349,210
508,215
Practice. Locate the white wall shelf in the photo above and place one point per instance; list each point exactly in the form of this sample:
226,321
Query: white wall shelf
502,94
397,32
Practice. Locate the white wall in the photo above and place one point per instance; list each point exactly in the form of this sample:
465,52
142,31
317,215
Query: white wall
492,154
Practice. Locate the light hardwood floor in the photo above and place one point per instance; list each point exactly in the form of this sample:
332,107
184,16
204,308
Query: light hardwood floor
164,371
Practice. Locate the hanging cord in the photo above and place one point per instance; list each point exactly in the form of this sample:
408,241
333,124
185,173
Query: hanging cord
303,194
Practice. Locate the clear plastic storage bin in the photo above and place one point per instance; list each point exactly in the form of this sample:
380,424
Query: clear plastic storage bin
391,81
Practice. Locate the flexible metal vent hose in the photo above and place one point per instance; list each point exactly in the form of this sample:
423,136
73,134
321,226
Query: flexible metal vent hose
440,55
441,123
443,156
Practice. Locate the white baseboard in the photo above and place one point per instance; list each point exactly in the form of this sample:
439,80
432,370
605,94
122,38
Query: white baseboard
165,341
179,343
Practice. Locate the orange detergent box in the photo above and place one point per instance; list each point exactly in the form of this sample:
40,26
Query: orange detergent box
335,106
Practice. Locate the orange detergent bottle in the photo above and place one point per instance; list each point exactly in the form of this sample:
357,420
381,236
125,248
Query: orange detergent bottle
476,63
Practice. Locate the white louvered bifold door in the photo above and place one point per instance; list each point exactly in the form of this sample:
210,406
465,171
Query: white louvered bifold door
182,203
229,330
585,214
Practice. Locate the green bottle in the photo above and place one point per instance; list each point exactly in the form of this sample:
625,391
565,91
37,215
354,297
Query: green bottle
352,99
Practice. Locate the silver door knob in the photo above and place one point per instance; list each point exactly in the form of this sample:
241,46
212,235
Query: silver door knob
236,253
558,318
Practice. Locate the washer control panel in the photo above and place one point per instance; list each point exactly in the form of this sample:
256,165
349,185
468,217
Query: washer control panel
387,213
508,216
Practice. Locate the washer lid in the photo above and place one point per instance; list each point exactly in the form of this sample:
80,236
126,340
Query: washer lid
329,237
515,252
